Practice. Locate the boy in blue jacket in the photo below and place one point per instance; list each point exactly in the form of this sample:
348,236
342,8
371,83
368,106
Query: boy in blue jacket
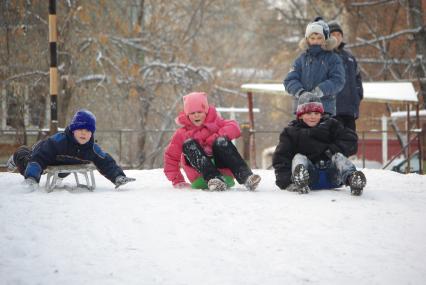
318,69
73,146
349,98
312,152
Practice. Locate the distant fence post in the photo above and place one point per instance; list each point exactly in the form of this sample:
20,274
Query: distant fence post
53,68
3,108
422,154
245,128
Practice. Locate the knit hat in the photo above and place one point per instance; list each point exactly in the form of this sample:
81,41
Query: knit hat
309,102
83,119
335,27
318,26
195,102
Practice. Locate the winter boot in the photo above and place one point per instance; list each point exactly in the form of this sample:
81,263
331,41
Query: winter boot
252,182
357,182
10,164
292,188
301,179
216,184
19,159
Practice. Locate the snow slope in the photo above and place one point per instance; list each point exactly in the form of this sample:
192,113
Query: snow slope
151,233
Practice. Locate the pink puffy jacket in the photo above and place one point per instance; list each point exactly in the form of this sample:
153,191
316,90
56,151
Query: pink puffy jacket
213,127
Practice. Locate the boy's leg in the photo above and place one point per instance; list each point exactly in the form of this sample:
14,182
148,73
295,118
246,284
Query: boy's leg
199,160
348,175
19,159
303,173
227,155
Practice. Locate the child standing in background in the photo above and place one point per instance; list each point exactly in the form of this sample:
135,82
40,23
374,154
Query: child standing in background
203,147
318,69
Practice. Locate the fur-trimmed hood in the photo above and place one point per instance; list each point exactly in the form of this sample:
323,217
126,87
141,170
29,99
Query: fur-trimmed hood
329,44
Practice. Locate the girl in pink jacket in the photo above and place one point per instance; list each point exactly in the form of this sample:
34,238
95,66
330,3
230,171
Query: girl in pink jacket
203,147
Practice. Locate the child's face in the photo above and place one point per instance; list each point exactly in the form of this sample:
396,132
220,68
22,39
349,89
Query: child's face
311,118
338,36
82,136
315,39
197,118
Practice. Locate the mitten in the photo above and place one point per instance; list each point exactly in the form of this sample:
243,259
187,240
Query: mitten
121,180
329,153
210,140
318,92
299,93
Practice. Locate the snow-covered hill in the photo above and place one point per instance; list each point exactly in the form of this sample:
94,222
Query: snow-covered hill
151,233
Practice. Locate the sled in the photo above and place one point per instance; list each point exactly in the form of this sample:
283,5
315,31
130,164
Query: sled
323,182
86,170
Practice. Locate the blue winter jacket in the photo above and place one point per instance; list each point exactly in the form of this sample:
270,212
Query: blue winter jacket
317,67
63,149
349,98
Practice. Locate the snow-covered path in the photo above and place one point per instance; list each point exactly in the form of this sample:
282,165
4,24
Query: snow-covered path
150,233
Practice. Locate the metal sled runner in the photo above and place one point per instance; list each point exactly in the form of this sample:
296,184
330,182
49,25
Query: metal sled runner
86,170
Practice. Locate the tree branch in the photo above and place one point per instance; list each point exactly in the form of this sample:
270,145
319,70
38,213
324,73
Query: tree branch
384,38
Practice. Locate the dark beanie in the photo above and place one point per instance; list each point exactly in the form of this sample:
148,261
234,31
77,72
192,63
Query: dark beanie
83,119
335,27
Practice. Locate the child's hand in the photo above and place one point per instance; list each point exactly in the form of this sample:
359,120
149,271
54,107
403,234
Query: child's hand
181,185
318,92
121,180
210,140
328,153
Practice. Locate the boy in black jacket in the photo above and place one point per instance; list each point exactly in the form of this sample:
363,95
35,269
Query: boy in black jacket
73,146
313,146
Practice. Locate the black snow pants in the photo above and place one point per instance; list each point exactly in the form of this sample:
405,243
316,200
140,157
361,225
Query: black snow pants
225,155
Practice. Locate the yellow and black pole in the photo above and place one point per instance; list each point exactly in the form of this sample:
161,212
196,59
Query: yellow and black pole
53,71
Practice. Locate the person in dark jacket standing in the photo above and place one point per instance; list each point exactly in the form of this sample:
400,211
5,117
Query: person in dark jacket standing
318,69
73,146
312,152
349,98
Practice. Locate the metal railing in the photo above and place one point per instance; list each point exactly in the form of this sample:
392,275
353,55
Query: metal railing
116,141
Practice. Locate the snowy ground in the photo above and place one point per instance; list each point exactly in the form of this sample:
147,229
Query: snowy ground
150,233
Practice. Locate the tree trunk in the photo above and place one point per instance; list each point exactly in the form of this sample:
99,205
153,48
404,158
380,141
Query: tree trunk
416,20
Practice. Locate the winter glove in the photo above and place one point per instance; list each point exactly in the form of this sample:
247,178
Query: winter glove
299,93
121,180
31,184
182,185
329,153
210,140
318,92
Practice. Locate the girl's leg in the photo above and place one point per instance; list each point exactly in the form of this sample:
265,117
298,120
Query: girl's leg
199,160
226,155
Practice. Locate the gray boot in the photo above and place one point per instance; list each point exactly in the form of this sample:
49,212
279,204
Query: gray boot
215,184
301,179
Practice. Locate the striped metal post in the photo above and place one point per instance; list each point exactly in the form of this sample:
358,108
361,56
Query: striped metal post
53,71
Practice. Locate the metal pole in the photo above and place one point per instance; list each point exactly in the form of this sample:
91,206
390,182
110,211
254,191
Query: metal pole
408,139
251,122
384,139
363,149
53,71
419,139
